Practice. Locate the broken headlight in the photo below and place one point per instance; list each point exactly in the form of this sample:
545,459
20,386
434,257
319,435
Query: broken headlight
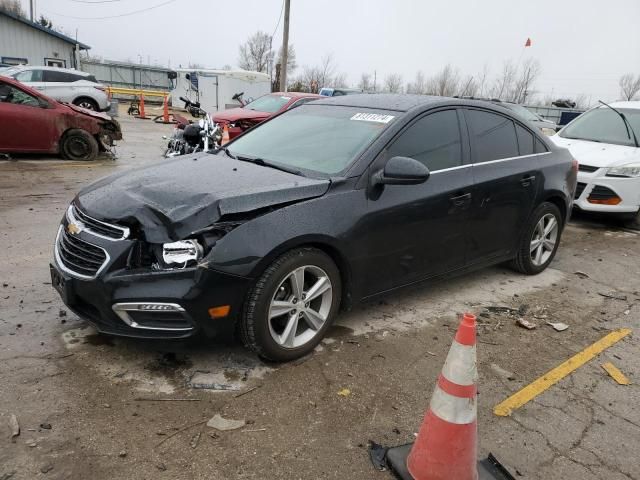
182,252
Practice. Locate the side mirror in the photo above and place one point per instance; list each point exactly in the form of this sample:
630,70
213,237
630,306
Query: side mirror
402,171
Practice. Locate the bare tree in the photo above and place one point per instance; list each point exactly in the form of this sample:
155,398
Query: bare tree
503,84
326,70
393,83
365,82
629,86
444,83
468,87
255,54
419,84
582,101
12,6
526,77
481,81
340,80
291,59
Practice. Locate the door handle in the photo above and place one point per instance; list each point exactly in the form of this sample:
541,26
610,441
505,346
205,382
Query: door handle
526,181
461,200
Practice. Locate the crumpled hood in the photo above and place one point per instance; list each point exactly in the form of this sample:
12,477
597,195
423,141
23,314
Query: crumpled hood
235,114
176,197
89,113
598,154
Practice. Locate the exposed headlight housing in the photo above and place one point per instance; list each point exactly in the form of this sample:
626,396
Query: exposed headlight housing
548,131
630,170
182,252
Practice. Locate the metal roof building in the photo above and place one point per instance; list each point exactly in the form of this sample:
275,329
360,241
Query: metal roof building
26,42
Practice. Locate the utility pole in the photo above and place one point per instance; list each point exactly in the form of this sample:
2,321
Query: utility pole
31,9
285,48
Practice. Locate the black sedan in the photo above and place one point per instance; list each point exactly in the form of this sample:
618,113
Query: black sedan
328,204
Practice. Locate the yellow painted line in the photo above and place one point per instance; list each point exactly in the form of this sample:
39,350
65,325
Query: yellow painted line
552,377
615,373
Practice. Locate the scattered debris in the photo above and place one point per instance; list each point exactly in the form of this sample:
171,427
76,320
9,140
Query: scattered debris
616,374
180,431
46,468
581,274
210,381
559,326
431,353
255,430
161,466
14,426
499,309
195,440
613,295
62,313
145,399
345,392
378,455
521,322
122,454
247,391
224,424
45,426
502,372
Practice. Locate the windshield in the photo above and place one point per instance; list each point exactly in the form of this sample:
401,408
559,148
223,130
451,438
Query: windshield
318,138
604,125
524,112
268,103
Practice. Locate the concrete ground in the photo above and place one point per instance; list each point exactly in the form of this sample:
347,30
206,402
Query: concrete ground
100,407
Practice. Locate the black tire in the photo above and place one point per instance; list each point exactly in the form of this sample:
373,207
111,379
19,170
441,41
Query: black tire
79,144
254,324
88,103
523,262
633,222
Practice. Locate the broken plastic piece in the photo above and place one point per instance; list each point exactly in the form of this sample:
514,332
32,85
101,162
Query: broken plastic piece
559,327
616,374
345,392
378,454
525,324
224,424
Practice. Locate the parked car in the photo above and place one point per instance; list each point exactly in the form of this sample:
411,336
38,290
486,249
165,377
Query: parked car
337,92
63,84
605,141
327,204
35,123
242,118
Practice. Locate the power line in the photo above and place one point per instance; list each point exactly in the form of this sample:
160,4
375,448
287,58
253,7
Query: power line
279,18
115,16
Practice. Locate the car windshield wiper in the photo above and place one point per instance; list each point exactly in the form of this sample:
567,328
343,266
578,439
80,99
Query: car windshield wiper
262,162
226,150
627,125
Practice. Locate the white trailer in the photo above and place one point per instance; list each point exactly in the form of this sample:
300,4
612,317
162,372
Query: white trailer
214,89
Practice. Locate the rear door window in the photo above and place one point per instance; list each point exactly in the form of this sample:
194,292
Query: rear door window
493,136
29,76
525,140
58,77
433,140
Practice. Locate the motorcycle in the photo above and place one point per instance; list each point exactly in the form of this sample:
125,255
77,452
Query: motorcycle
189,137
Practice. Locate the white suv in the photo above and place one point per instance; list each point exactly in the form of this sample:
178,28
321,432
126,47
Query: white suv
63,84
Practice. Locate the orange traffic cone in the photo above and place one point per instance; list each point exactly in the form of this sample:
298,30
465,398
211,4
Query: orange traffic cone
142,114
225,134
446,447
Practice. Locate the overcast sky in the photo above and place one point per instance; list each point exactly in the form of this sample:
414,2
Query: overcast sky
583,46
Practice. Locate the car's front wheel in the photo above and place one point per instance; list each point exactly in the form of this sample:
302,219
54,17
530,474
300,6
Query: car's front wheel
540,241
292,305
78,144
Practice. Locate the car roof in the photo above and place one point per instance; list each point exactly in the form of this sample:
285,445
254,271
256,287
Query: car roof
401,102
631,104
295,94
57,69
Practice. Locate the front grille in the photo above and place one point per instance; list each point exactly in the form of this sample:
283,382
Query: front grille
602,193
587,168
97,227
79,257
579,189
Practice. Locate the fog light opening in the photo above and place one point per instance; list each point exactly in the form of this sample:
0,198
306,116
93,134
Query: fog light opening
220,311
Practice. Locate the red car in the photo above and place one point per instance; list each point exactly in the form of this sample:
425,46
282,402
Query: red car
242,118
34,123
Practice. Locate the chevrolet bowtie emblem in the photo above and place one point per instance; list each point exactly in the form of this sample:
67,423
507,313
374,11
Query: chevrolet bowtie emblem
74,229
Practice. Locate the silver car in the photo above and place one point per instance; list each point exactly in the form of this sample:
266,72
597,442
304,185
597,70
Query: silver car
63,84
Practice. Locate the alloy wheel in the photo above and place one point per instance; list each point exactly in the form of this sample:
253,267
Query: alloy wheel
86,104
543,240
300,306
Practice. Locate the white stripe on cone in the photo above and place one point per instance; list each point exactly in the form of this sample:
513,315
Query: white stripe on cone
460,366
449,408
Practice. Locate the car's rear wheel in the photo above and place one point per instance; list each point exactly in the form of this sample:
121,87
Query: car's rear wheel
79,144
86,102
292,305
541,239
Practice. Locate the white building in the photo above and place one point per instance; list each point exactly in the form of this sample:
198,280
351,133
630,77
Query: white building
26,42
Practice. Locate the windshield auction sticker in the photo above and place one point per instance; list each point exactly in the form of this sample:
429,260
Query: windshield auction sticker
373,117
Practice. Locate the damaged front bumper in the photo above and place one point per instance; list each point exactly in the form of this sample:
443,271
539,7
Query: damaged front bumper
91,272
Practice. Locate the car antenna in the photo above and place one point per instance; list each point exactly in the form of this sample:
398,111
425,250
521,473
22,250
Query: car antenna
626,123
